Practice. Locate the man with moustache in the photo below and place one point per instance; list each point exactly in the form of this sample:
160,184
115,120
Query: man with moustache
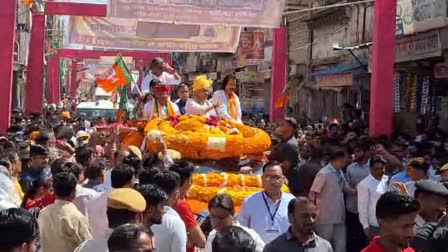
300,236
38,167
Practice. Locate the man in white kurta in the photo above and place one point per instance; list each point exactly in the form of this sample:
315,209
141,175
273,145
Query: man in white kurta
199,105
161,106
162,71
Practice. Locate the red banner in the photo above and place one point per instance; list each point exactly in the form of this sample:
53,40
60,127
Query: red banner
130,34
249,13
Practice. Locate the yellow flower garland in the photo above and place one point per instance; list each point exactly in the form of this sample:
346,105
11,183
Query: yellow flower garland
194,139
238,186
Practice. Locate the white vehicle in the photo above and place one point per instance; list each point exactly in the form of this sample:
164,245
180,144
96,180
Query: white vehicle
100,108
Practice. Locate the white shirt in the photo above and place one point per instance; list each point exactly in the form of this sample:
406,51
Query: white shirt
165,78
97,245
194,108
259,243
9,190
255,214
83,196
171,235
220,97
368,194
97,215
148,109
5,202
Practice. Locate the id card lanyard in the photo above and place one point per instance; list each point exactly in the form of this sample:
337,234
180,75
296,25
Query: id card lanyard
272,215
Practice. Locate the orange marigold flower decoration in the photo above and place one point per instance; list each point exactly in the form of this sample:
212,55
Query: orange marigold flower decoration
194,138
238,186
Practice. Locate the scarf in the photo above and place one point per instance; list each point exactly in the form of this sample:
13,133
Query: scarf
232,105
169,110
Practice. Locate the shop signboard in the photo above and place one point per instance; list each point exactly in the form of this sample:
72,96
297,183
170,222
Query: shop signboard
248,13
251,48
418,46
131,34
420,15
227,64
441,71
334,80
250,76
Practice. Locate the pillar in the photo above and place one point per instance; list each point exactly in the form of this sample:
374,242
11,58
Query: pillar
54,84
383,58
74,79
7,33
35,74
279,68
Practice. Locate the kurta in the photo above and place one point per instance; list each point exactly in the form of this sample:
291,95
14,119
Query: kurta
62,227
194,108
223,110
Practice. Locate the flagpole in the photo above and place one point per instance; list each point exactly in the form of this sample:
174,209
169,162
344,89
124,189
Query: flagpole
129,72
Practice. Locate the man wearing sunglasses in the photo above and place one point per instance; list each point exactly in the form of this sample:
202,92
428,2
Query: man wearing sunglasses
161,106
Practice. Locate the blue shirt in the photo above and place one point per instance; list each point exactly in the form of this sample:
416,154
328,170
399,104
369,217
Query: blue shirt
402,177
97,186
261,215
32,175
181,104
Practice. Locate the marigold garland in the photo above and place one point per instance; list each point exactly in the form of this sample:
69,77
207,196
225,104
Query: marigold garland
238,186
195,139
134,137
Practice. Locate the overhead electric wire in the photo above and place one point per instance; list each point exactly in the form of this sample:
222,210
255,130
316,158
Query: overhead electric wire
326,7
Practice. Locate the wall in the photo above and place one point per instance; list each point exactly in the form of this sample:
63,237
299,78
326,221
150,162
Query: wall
348,26
344,26
298,40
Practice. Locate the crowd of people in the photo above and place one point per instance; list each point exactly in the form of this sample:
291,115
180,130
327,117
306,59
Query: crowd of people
67,184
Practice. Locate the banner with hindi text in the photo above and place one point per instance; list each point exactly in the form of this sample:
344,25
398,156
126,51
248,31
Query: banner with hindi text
131,34
248,13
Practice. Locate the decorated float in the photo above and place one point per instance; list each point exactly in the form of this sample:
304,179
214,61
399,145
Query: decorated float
218,144
197,137
212,141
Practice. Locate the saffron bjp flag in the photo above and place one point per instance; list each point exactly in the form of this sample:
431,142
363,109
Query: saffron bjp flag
115,76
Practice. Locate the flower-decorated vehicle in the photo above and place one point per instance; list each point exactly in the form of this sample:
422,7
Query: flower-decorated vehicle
221,143
197,137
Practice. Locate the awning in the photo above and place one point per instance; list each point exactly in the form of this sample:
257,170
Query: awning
337,76
342,68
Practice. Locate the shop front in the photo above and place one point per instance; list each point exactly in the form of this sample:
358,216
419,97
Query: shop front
421,78
342,84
